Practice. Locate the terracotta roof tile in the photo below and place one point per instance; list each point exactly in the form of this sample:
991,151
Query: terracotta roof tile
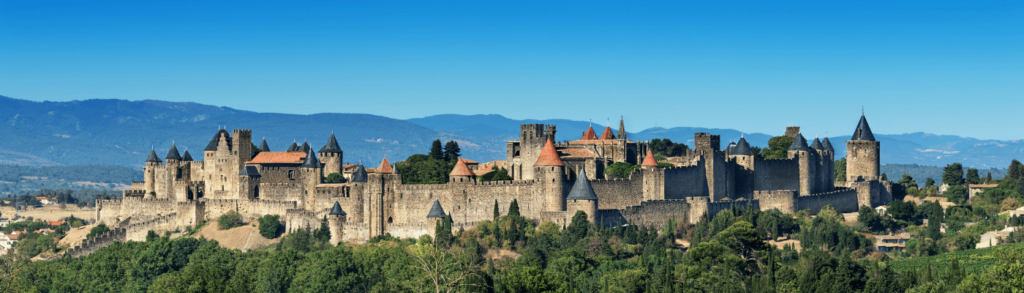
589,134
649,160
549,157
607,134
578,152
461,170
278,158
385,166
468,161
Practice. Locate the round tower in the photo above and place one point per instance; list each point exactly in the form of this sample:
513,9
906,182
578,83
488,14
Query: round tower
461,173
807,164
335,221
331,156
550,171
582,198
312,175
862,154
152,163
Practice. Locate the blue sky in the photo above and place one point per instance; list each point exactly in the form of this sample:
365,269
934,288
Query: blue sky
933,66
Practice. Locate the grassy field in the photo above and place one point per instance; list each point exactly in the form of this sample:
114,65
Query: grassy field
974,260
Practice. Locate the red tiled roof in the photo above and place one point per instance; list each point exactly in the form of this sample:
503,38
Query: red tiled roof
385,166
12,236
461,170
278,158
589,134
607,134
484,170
468,161
577,152
549,157
57,223
649,160
40,197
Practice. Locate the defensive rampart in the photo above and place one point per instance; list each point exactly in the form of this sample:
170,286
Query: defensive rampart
683,182
656,212
776,174
93,244
783,200
844,200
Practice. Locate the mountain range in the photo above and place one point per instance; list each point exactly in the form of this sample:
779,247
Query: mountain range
120,132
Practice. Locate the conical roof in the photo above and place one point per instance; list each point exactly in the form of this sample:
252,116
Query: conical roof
461,169
186,157
607,134
263,146
548,156
649,160
293,148
311,161
212,146
153,158
385,167
816,144
305,147
799,143
331,146
173,153
359,175
336,210
742,148
582,190
250,171
826,145
589,134
436,211
863,131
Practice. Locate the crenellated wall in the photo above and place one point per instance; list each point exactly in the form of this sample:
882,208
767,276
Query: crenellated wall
654,213
683,182
783,200
776,174
93,244
844,200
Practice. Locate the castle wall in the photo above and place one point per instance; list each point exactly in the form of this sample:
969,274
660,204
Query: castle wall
716,170
862,160
714,207
683,182
159,225
656,212
91,245
249,209
742,181
112,211
774,174
783,200
844,200
618,193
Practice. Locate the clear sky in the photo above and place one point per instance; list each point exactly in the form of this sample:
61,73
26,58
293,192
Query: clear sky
933,66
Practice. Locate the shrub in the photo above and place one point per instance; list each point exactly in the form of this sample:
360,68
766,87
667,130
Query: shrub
230,220
99,229
269,225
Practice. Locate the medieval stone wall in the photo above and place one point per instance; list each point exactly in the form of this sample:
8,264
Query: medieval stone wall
93,244
618,193
683,182
159,225
783,200
249,209
844,200
774,174
656,212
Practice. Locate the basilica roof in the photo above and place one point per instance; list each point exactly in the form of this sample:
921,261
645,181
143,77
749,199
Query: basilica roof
607,134
589,134
278,158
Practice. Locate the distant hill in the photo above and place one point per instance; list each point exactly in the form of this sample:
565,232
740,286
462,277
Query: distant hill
119,132
921,173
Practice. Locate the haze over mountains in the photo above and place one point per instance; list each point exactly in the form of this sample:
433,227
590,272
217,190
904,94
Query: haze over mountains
119,132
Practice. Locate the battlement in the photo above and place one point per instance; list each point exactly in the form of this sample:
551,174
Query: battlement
148,225
93,244
505,183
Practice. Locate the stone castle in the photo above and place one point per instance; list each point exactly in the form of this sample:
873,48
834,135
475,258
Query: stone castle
552,180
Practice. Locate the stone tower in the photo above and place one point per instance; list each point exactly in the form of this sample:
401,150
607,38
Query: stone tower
312,174
743,170
829,159
249,183
531,142
582,198
332,156
461,173
550,171
336,221
862,154
653,178
808,163
709,146
152,164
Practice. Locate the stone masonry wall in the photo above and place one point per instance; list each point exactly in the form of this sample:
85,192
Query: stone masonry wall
844,200
775,174
91,245
783,200
654,213
683,182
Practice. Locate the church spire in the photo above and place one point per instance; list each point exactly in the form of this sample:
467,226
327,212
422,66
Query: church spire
622,129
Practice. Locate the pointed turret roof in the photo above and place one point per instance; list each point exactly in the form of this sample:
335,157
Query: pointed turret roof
331,146
582,189
649,160
311,161
826,145
799,143
250,171
863,131
359,175
548,156
263,146
293,148
212,146
336,210
173,153
385,167
731,148
607,134
622,128
589,134
186,157
153,158
461,169
305,147
436,211
742,148
816,144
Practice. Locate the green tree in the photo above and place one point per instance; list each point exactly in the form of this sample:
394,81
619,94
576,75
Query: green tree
229,220
869,218
422,169
1016,170
334,178
778,148
840,170
99,229
452,151
496,211
934,221
907,181
742,238
436,152
269,224
953,174
956,194
322,234
903,210
513,209
972,176
578,227
501,174
621,169
666,147
929,182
